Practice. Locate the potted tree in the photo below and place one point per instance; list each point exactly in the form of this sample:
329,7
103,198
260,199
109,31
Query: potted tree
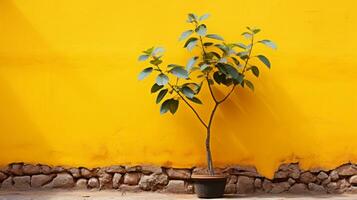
218,64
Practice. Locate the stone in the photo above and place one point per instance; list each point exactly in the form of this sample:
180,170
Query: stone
243,171
307,177
204,171
316,189
151,169
7,184
258,183
232,179
326,181
16,169
116,169
62,180
281,175
298,188
245,185
45,169
31,169
280,187
3,176
352,190
133,168
75,172
132,178
332,187
116,180
153,182
105,181
334,175
291,181
22,182
85,173
230,188
322,176
288,170
129,188
175,186
267,185
353,180
347,170
93,183
57,169
40,180
343,185
178,174
81,184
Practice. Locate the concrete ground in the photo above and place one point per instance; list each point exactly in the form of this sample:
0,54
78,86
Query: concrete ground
115,195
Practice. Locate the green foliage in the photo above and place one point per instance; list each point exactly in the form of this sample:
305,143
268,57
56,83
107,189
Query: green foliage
220,64
143,74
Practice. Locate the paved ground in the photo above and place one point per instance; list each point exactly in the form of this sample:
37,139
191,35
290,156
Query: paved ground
114,195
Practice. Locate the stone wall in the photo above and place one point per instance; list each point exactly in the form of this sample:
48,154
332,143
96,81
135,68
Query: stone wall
241,179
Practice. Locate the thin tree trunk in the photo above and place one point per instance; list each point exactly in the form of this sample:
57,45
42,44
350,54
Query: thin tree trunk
208,152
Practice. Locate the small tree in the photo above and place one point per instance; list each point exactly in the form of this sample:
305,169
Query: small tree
220,63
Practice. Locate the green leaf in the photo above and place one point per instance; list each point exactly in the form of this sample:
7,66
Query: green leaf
191,45
240,45
143,57
188,92
204,66
236,61
196,100
255,71
222,47
156,88
206,44
218,77
143,74
203,17
179,72
185,35
157,51
249,84
243,55
233,72
269,43
190,63
264,60
213,54
247,35
173,65
214,36
189,41
255,31
162,79
148,51
156,61
192,17
161,95
165,106
201,30
173,106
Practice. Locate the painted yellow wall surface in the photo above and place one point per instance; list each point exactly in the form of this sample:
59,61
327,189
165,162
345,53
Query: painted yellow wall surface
69,92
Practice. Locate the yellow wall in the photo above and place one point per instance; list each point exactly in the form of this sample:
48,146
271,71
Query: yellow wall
69,92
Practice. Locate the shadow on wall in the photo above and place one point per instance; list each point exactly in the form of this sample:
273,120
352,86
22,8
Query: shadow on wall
19,132
245,118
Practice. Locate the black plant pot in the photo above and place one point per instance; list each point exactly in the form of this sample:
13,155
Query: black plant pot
207,186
